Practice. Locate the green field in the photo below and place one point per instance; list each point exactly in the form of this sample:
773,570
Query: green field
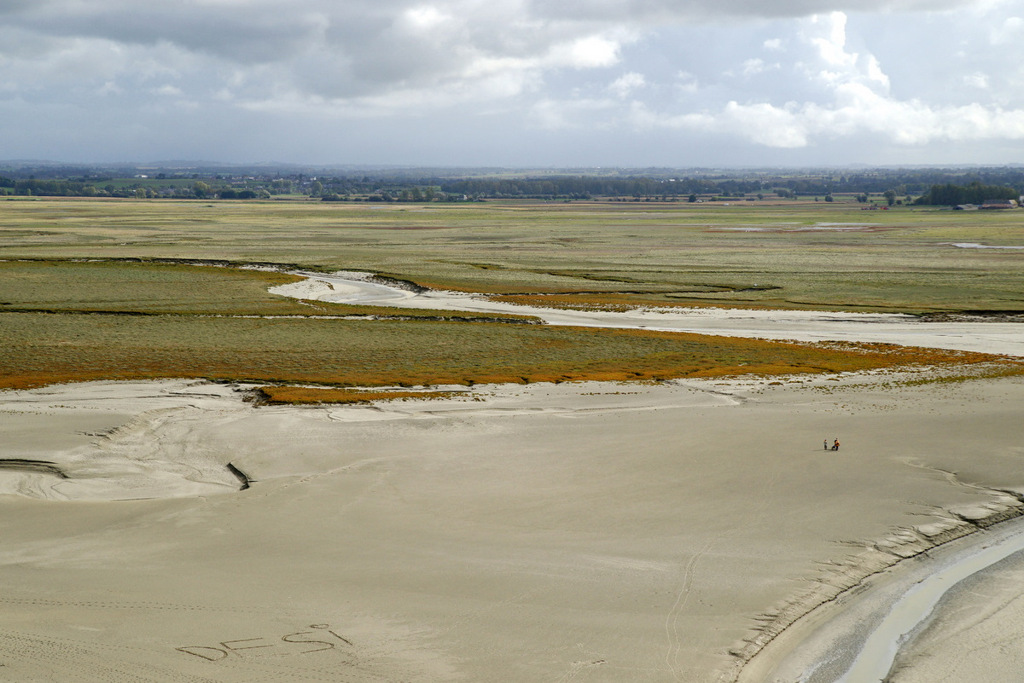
97,289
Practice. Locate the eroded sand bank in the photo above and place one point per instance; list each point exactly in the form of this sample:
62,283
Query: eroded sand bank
595,532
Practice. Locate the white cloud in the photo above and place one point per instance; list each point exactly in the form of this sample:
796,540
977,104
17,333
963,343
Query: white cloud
874,73
855,102
168,91
625,84
752,67
766,125
587,52
1007,31
762,123
686,83
831,43
977,80
857,111
424,19
827,34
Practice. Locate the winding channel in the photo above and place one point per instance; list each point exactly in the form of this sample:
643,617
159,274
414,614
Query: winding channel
1005,338
917,602
876,657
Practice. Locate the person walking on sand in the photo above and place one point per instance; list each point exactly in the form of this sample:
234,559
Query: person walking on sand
826,444
835,445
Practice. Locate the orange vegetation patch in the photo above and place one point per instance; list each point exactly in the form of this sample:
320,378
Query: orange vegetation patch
289,395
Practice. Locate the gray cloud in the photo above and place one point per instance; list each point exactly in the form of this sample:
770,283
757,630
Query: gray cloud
359,47
703,10
229,30
576,77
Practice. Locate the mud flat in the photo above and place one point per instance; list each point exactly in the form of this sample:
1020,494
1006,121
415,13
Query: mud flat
598,532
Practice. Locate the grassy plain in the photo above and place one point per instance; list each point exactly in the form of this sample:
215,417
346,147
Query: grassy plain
85,294
797,255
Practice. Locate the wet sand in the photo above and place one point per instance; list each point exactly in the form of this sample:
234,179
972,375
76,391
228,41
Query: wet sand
597,532
976,631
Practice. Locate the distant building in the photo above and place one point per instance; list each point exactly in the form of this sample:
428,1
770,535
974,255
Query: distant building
999,204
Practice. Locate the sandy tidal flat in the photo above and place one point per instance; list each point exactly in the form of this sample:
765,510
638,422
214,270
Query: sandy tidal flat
597,532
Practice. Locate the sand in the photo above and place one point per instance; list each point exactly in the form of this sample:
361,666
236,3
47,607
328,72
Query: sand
587,532
598,532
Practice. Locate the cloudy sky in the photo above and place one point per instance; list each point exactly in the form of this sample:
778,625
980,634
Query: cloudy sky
514,82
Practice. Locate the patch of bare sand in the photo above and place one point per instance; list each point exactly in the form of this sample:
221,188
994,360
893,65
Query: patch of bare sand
597,532
110,441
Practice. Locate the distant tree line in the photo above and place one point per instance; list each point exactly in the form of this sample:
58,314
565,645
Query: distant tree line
141,190
974,193
934,186
584,187
47,188
893,185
